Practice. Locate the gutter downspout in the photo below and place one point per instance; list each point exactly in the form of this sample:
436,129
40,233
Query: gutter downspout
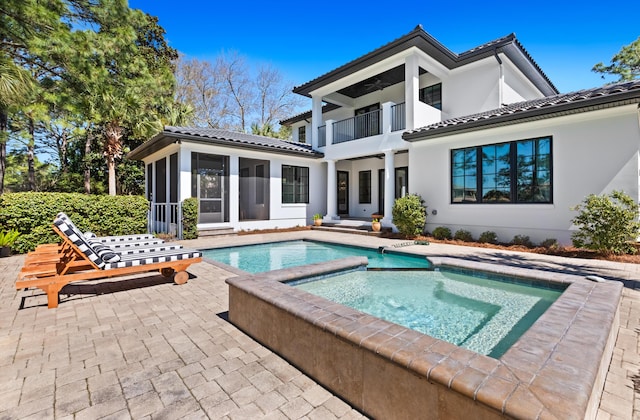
500,80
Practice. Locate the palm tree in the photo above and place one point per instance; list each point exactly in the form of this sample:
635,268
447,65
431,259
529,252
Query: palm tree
15,84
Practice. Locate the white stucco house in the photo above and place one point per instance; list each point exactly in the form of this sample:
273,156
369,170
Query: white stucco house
483,136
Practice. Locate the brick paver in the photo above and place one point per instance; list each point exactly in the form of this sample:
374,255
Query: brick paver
146,348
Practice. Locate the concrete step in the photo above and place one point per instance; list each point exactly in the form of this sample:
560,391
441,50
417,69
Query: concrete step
218,231
353,230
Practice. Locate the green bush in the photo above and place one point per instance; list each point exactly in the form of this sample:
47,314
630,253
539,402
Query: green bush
463,235
409,215
549,243
441,232
522,240
607,223
190,218
488,237
32,214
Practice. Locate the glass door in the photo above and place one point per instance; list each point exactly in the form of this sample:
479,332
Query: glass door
343,193
210,184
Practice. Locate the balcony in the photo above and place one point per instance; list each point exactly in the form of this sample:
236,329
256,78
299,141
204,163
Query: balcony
392,117
358,127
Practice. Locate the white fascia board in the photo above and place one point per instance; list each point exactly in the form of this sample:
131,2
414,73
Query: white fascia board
513,68
162,153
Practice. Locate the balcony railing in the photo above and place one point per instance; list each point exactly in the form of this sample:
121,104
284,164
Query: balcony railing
398,117
360,126
322,136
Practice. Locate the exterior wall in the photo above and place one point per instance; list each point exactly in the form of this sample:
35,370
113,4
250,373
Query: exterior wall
516,87
353,167
281,215
593,153
471,89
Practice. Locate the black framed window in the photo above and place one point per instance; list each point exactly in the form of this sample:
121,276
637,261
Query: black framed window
295,184
431,95
514,172
364,187
302,134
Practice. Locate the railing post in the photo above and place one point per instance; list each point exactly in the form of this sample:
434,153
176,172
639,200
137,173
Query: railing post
328,131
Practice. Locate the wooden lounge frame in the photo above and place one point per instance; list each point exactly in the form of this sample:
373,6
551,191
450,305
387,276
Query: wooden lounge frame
50,267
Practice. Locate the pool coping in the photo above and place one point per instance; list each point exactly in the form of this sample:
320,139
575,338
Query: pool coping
553,363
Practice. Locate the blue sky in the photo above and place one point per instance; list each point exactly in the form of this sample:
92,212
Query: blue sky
307,39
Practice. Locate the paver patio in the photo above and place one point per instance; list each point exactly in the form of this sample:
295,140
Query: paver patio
146,348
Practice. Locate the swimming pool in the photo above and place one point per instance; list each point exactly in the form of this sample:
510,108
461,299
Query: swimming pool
277,255
484,315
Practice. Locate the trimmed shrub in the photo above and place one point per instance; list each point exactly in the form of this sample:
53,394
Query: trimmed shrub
488,237
549,243
32,214
463,235
190,218
409,215
607,223
441,232
522,240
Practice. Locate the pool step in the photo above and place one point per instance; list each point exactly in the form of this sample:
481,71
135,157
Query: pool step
218,231
350,229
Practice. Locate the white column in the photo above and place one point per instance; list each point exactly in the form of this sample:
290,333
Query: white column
389,187
386,117
329,132
332,191
411,87
316,119
234,190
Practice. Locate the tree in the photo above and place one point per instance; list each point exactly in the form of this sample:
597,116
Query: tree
238,87
274,96
224,94
625,64
127,86
199,85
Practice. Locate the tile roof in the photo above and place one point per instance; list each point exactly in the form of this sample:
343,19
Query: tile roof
618,93
306,115
224,138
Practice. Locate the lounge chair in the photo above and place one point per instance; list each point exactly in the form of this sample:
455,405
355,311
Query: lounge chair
77,259
141,237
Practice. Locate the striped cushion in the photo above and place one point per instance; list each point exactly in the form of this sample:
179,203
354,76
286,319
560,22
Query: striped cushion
127,238
117,246
78,240
152,248
105,252
134,260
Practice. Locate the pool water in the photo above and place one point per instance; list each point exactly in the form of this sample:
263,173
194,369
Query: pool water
277,255
480,314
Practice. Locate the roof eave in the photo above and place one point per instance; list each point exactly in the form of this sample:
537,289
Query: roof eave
416,38
164,139
522,117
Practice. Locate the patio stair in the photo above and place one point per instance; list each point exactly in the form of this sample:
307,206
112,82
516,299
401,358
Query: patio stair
217,231
354,226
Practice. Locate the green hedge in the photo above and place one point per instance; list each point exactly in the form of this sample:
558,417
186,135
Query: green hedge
190,218
32,215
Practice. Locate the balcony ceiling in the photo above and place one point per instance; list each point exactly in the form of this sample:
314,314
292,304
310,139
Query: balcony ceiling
377,82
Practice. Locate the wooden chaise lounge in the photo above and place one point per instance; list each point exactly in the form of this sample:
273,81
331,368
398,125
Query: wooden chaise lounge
51,267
